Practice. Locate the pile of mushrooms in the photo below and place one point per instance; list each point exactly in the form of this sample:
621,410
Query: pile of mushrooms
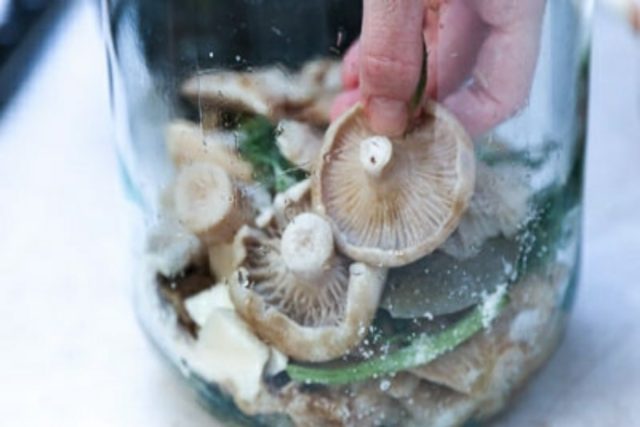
306,269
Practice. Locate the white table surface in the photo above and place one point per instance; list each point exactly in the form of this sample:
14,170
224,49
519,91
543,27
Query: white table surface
71,353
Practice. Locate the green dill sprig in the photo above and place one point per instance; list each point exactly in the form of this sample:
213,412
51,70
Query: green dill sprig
256,144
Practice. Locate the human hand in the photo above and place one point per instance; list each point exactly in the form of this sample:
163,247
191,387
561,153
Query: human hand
482,56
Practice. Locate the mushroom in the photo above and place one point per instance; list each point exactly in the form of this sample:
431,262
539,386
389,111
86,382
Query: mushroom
299,143
322,75
208,203
318,83
299,295
262,92
188,143
295,200
286,206
392,201
499,206
528,326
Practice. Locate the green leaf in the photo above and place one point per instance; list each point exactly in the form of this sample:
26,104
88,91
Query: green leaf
424,349
256,144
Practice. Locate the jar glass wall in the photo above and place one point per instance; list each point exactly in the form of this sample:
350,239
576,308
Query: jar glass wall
300,269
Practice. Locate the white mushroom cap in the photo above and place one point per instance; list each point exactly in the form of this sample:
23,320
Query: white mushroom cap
301,297
208,203
299,143
188,143
261,92
318,83
392,201
307,246
271,92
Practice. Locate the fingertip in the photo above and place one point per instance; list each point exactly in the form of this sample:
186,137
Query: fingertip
387,116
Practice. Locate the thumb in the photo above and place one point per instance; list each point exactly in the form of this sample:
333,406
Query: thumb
390,61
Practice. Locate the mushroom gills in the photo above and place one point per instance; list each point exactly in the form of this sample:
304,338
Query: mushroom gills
299,295
393,201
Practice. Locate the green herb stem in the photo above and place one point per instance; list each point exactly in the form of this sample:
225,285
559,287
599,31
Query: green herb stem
256,144
422,350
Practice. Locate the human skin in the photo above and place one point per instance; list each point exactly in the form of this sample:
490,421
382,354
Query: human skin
481,60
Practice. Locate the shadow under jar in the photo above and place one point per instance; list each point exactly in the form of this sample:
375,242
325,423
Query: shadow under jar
301,270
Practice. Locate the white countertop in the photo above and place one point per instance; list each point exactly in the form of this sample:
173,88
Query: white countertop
72,354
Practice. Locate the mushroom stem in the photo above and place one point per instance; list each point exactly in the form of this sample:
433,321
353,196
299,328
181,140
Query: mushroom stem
307,245
375,154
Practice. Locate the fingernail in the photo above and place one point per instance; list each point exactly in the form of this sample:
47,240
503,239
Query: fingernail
387,116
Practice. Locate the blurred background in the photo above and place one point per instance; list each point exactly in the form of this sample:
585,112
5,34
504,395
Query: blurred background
72,353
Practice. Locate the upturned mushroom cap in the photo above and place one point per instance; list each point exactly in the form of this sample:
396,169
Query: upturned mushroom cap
301,297
392,201
208,203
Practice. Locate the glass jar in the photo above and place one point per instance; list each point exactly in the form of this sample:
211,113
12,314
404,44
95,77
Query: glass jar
301,269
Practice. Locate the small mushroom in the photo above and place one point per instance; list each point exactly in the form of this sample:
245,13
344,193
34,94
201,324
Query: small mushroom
299,143
392,201
499,206
262,92
188,143
299,295
208,203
